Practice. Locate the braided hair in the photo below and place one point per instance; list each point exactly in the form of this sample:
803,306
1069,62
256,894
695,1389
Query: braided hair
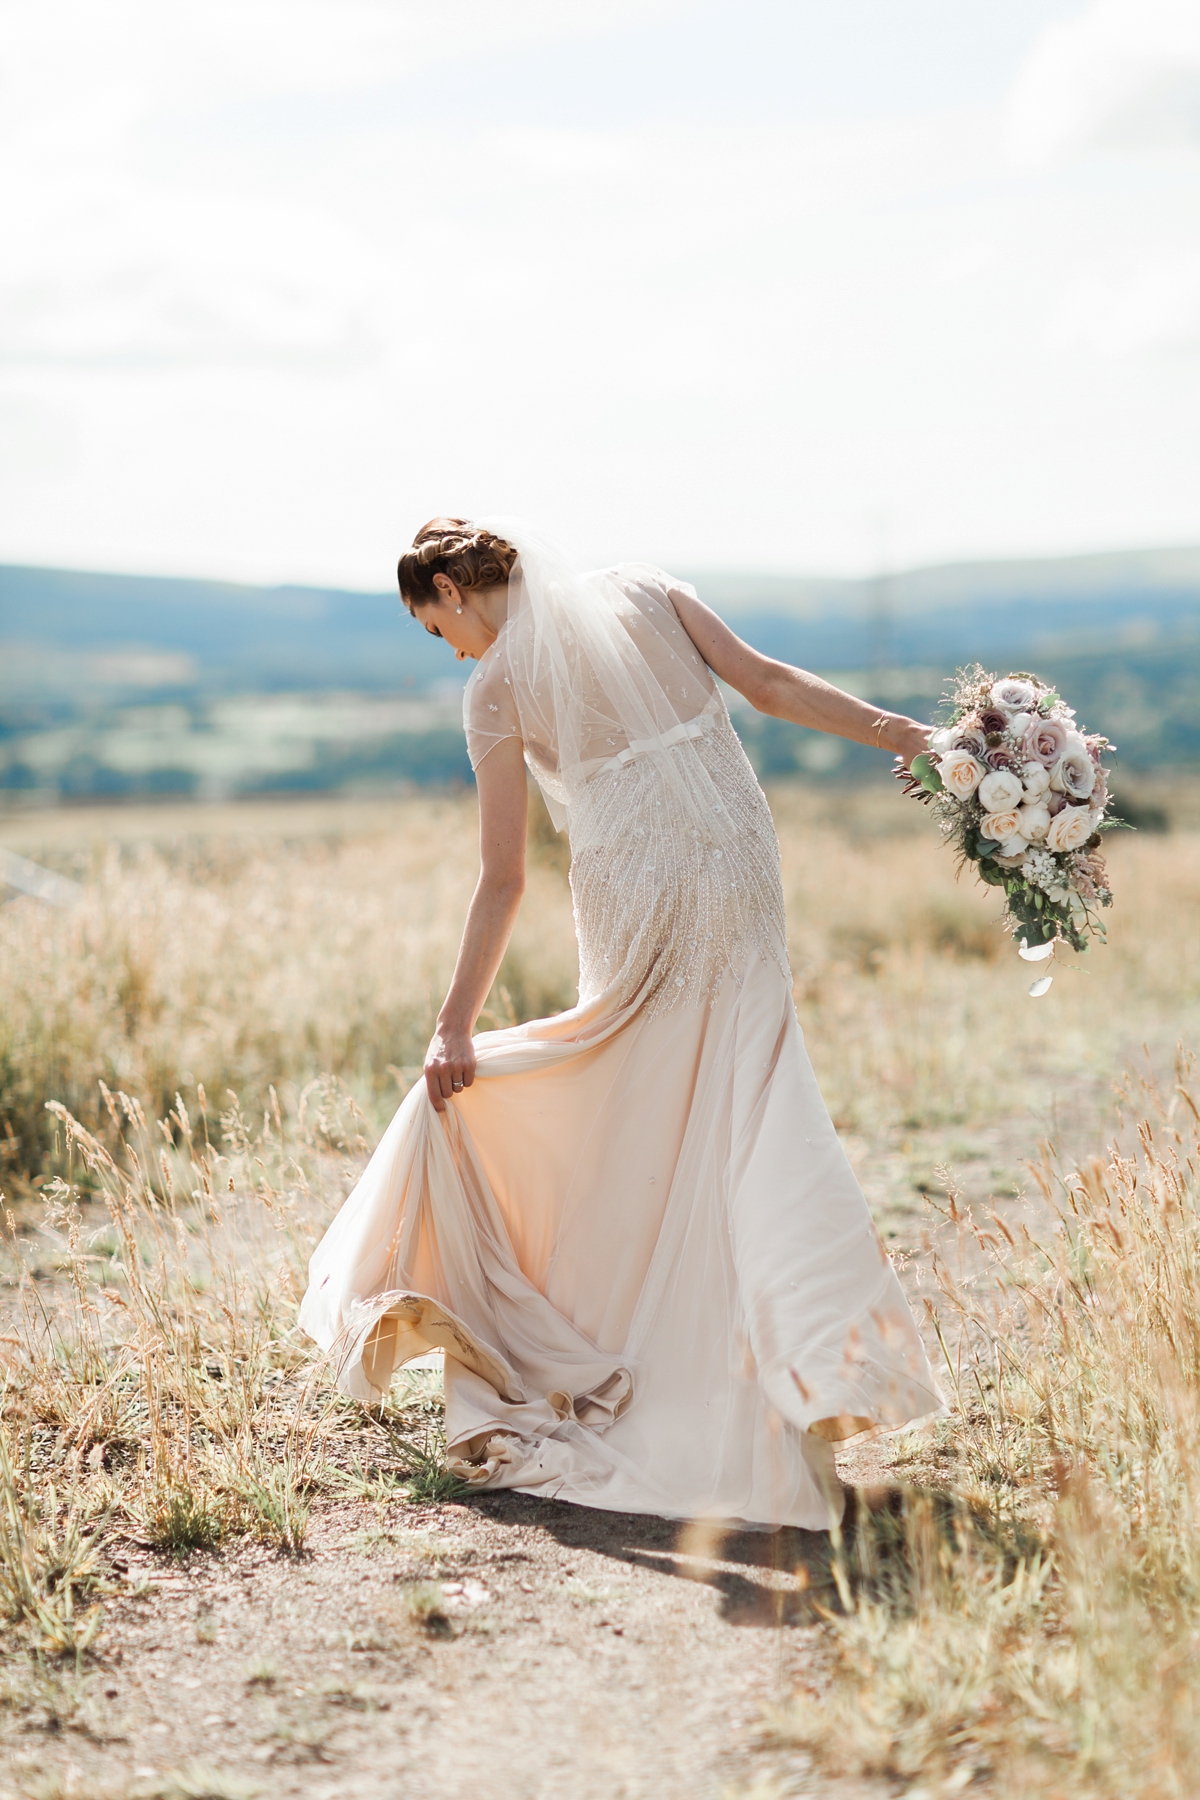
471,558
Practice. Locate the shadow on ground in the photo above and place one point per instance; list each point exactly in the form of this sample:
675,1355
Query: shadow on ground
766,1577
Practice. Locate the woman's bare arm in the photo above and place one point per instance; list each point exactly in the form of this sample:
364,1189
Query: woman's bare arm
788,693
503,806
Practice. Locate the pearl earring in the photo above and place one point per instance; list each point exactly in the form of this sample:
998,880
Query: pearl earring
458,609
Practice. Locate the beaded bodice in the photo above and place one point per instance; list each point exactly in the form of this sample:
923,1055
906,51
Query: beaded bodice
675,862
664,907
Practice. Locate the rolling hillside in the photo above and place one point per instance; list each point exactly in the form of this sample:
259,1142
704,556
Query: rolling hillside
115,684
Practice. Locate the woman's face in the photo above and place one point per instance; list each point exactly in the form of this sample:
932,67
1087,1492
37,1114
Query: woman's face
455,618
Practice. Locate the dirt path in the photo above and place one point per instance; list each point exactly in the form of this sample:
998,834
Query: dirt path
516,1648
569,1655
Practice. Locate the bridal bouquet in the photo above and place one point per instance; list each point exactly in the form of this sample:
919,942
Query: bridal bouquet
1022,793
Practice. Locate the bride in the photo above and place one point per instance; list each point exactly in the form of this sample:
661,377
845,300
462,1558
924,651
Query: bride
631,1228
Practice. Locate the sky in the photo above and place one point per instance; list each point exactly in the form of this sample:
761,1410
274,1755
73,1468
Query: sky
788,285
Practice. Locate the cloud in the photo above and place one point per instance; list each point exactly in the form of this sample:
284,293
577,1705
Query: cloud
134,237
1124,74
230,48
264,303
1156,308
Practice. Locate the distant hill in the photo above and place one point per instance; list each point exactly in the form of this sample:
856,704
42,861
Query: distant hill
948,614
65,635
112,684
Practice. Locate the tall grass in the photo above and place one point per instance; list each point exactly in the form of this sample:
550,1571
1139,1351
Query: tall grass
163,1385
158,1391
239,964
1028,1613
914,1003
1034,1620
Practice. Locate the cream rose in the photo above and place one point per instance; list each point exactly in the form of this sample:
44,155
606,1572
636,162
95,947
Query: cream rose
960,773
1001,825
1000,791
1035,822
1069,829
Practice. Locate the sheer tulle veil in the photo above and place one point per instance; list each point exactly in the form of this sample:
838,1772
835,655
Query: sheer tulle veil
595,685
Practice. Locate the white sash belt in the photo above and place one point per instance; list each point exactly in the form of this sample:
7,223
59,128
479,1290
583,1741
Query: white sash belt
678,734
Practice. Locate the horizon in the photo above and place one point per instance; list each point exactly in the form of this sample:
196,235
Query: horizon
813,576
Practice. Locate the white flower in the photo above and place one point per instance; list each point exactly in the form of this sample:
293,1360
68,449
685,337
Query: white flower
1069,829
1001,790
1014,695
1074,774
942,741
960,773
1001,825
1035,822
1040,869
1019,724
1014,848
1036,781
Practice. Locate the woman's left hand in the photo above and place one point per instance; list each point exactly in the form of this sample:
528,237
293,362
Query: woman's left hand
908,739
449,1065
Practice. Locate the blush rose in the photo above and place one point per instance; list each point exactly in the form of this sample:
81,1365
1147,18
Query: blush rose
1014,694
1074,774
1045,742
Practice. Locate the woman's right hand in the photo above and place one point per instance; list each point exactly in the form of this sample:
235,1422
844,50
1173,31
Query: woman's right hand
503,800
449,1065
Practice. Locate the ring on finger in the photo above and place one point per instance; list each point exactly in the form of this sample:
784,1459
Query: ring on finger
457,1086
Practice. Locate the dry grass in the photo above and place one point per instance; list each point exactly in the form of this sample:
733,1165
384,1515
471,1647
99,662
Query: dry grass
234,964
1027,1617
322,946
160,1396
1034,1622
914,1003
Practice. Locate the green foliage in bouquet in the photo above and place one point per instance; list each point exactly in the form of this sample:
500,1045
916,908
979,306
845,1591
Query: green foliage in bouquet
1021,791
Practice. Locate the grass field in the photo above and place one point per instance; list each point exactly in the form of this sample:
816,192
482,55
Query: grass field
223,1022
247,946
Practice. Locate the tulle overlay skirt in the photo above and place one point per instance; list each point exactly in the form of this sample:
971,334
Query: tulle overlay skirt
640,1244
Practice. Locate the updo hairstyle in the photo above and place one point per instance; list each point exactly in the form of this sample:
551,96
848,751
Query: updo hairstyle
471,558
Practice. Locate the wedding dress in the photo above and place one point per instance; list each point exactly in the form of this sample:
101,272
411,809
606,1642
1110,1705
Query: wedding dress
636,1237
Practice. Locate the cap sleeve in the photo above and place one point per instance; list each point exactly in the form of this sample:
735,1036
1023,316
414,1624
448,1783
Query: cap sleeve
489,709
